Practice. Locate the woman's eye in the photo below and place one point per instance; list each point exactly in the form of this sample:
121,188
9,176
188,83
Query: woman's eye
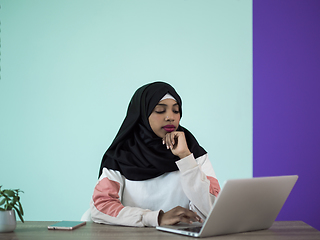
160,112
176,111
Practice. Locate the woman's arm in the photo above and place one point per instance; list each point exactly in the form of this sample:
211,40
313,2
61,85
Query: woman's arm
199,183
198,179
106,206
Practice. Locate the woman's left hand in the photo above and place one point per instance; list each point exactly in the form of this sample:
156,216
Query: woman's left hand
176,142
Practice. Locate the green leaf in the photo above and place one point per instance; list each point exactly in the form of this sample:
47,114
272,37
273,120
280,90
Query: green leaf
20,207
19,214
14,200
2,201
10,193
8,206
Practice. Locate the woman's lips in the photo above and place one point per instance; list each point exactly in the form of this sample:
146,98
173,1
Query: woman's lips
169,128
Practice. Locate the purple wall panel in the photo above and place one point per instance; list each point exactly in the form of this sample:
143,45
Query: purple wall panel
286,100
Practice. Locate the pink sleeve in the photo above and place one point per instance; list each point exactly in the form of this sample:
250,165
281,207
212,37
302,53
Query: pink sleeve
107,208
106,197
214,186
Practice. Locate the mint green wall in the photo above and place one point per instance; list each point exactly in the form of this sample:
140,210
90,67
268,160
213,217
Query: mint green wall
69,69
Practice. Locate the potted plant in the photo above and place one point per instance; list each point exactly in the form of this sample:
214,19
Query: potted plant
9,201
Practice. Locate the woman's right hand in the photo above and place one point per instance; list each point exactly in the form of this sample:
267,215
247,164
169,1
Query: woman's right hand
176,215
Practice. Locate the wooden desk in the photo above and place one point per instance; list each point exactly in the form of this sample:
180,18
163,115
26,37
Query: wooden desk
38,230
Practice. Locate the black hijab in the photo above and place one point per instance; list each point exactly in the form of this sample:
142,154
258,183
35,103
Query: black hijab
137,152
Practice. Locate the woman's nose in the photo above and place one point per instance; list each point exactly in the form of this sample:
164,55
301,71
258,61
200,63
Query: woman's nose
169,117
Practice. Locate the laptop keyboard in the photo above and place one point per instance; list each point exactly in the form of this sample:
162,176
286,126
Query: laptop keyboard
191,229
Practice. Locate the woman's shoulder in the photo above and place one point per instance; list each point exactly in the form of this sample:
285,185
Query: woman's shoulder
113,175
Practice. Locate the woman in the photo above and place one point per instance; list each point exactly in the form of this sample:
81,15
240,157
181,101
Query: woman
155,172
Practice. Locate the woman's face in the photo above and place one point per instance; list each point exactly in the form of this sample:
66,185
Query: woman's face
165,117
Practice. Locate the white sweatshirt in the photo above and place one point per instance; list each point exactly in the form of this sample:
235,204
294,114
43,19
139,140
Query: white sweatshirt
119,201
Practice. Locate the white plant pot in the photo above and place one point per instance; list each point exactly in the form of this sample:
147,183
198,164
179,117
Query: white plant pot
7,221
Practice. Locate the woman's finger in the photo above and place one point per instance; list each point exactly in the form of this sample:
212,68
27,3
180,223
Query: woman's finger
178,214
173,137
167,140
170,139
186,214
176,142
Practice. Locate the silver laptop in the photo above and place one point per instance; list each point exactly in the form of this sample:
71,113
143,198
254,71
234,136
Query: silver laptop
242,205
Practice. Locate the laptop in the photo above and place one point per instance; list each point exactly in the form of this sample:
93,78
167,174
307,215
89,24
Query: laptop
242,205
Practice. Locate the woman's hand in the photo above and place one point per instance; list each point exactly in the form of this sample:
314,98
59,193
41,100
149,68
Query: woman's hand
176,215
176,142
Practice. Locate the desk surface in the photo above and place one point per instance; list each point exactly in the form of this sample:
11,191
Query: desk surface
38,230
